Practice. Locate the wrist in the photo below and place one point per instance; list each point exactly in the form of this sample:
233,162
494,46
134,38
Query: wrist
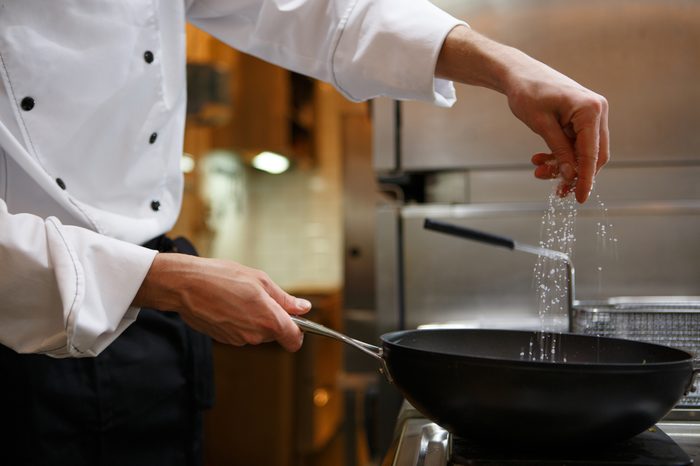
161,288
471,58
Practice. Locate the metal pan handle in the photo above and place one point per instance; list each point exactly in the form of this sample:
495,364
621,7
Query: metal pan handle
318,329
696,370
308,326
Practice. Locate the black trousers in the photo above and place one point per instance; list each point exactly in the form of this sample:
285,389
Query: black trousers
139,402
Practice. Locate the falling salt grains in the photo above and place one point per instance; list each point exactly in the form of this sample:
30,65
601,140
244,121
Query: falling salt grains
553,348
604,228
550,274
606,238
544,347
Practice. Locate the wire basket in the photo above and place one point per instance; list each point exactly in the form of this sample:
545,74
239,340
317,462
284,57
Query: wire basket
669,321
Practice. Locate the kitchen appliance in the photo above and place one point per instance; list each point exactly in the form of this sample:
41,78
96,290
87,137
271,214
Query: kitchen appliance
470,165
419,442
670,321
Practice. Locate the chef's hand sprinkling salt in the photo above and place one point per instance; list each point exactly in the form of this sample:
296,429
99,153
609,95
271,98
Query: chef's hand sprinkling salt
572,120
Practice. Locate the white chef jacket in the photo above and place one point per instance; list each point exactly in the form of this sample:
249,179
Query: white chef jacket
92,110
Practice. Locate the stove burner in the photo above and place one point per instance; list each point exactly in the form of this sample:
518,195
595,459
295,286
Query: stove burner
420,442
652,447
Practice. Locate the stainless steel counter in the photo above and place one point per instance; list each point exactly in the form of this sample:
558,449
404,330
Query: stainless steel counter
683,426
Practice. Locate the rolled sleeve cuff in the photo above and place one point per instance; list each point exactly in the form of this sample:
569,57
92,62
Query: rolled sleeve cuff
390,48
107,274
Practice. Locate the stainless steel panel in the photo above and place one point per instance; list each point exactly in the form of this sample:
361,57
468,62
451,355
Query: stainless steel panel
449,279
612,184
384,127
361,195
503,185
642,55
387,253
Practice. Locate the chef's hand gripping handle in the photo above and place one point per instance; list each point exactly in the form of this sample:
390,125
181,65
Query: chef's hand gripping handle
468,233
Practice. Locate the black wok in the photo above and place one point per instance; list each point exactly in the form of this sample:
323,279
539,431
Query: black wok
481,384
505,386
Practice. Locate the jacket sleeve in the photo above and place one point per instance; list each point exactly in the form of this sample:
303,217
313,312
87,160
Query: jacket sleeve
66,291
365,48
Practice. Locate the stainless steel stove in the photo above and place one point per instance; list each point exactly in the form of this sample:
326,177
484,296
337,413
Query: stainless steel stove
675,441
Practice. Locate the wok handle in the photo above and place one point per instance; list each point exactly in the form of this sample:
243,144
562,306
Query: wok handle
468,233
308,326
696,370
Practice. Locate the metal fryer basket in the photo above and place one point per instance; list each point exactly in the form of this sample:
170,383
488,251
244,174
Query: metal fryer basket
669,321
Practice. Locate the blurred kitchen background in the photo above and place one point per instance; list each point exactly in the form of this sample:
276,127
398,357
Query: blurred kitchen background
341,224
273,407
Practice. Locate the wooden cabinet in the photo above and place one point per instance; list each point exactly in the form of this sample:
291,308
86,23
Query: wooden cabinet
275,408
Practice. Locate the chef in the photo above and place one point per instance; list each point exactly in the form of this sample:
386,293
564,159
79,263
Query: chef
104,357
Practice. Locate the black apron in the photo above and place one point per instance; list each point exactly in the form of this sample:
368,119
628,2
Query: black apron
138,403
